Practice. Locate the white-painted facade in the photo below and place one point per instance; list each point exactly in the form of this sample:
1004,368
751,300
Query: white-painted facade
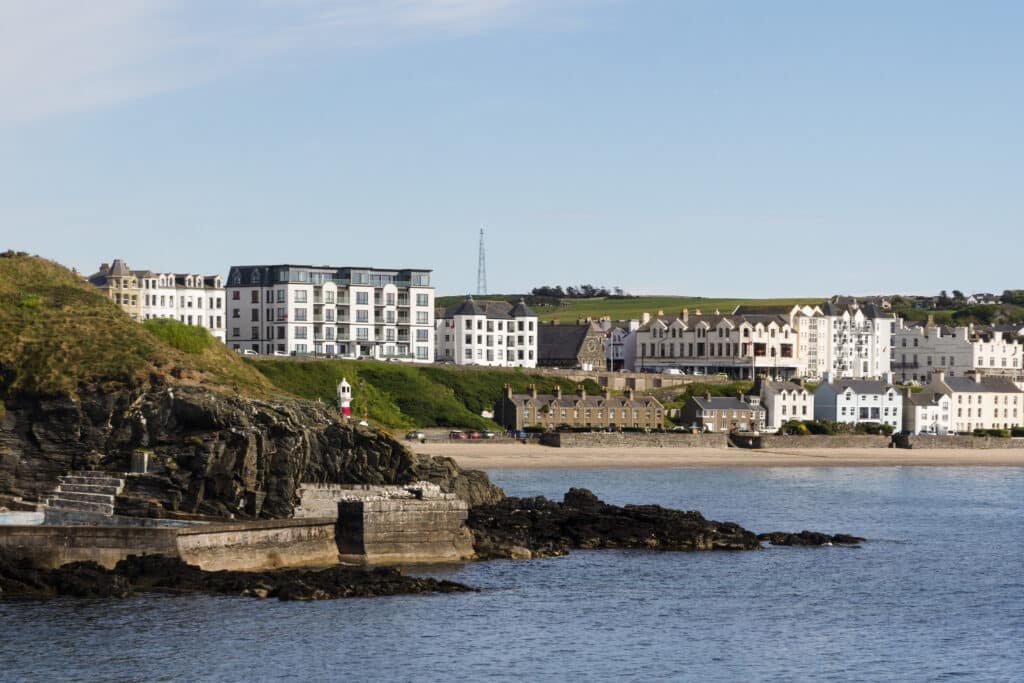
979,402
189,298
859,401
328,311
487,333
926,412
921,350
784,401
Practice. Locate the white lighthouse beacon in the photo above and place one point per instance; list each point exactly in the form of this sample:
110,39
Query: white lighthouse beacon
345,398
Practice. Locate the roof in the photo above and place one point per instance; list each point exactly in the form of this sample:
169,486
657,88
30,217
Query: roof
521,310
724,403
599,401
860,386
774,387
987,385
712,321
924,398
562,342
495,310
119,268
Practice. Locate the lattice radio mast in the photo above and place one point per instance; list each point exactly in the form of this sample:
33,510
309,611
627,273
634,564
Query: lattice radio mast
481,269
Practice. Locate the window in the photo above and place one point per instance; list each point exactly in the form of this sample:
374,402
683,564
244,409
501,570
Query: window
255,296
301,332
282,296
255,315
421,317
300,314
362,298
301,296
255,331
235,295
236,313
362,316
422,299
362,333
422,335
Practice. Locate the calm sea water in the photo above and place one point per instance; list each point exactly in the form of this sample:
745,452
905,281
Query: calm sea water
937,593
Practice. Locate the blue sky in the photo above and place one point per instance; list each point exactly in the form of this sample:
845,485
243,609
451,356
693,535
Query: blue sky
699,148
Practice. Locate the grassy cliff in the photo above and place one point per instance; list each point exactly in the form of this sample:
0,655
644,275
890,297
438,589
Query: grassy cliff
57,332
403,396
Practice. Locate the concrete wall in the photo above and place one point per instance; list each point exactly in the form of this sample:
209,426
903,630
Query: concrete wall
957,442
813,441
53,546
633,440
259,545
400,531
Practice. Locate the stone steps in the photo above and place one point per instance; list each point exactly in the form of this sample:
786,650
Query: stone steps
87,492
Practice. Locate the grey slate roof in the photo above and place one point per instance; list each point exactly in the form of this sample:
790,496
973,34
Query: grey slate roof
724,403
521,310
988,385
561,342
494,310
861,386
599,401
924,398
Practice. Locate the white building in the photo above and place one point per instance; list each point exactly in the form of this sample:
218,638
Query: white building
842,338
923,349
491,333
858,401
741,345
190,298
784,401
978,402
619,343
346,312
926,412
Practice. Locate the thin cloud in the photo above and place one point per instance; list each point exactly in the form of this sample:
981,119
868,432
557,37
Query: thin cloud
58,56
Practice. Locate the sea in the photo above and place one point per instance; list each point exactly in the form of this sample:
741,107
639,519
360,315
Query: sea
936,593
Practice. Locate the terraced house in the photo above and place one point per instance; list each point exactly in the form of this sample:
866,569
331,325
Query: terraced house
741,346
724,414
552,411
189,298
922,349
349,312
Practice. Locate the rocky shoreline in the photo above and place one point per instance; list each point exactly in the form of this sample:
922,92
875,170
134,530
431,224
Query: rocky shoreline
148,574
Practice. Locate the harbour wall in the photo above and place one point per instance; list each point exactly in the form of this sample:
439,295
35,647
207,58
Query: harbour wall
776,441
957,442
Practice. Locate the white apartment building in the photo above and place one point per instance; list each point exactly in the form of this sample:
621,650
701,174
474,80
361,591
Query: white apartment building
743,345
348,312
491,333
187,297
784,401
842,339
923,349
859,400
979,402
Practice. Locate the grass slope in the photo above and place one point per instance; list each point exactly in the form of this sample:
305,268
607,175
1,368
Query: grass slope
403,396
58,332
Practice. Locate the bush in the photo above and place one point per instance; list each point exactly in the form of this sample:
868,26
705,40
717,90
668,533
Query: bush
872,428
1017,431
820,427
794,428
998,433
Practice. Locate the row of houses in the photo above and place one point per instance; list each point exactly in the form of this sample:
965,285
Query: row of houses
842,340
944,405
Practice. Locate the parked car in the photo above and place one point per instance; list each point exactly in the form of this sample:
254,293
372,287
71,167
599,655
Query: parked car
474,435
280,353
671,371
488,434
457,434
416,436
249,352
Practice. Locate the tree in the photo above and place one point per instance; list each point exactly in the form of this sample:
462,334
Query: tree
958,296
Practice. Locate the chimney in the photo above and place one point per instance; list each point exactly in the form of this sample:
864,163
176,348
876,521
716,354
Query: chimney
976,375
685,315
661,312
645,318
931,321
533,391
743,397
939,377
696,311
707,395
580,391
907,392
508,391
104,268
558,391
628,393
801,382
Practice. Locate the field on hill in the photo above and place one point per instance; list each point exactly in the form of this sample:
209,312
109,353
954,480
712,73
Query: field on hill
401,396
625,308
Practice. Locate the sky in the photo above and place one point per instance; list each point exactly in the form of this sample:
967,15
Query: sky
684,147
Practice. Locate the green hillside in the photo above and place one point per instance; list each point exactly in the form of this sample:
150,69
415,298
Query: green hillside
625,308
403,396
58,332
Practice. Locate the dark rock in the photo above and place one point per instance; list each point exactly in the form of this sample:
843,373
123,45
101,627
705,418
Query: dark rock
156,573
538,527
808,538
209,451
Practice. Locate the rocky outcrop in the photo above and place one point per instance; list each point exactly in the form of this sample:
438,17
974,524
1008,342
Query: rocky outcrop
538,527
155,573
808,538
211,454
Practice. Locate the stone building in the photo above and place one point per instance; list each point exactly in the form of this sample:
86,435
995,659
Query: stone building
571,346
117,281
724,413
551,411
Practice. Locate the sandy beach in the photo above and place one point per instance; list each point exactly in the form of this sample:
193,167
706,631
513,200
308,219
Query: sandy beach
508,455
